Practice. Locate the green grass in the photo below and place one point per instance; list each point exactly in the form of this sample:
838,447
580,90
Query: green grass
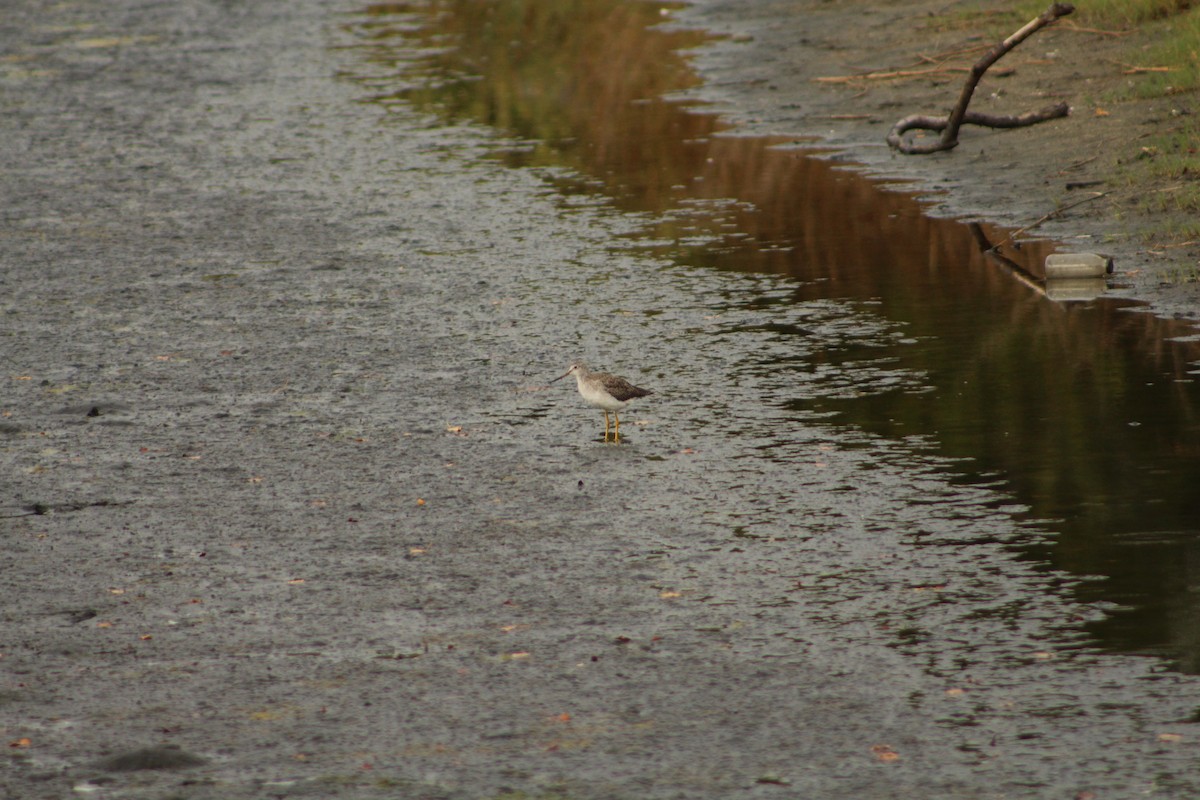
1111,14
1180,275
1178,49
1171,161
1171,26
1174,31
1168,35
972,19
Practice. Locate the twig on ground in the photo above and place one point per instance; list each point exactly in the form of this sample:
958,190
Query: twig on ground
918,122
1077,164
943,57
1190,243
889,75
1134,69
1046,218
1070,26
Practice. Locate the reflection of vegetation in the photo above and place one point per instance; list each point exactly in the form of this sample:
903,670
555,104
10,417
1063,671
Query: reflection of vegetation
552,73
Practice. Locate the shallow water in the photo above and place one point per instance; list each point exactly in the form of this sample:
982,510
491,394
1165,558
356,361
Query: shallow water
1082,413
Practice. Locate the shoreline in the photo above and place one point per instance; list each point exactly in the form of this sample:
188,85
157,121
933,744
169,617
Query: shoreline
759,74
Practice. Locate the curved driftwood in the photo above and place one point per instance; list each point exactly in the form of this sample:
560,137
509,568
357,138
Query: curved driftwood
925,123
959,116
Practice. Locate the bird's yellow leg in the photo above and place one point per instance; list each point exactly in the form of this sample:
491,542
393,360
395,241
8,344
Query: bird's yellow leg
605,424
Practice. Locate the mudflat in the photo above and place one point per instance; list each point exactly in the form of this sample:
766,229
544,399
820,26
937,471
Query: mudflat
290,512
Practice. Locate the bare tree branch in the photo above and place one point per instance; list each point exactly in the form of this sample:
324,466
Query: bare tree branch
960,116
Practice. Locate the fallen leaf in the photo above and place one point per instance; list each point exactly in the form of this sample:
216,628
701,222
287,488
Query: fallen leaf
420,501
146,637
885,753
24,741
295,581
103,624
669,594
268,714
1100,112
1170,737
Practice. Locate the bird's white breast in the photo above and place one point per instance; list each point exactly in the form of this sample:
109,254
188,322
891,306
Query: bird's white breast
598,397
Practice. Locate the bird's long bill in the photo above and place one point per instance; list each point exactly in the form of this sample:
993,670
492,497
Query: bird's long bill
560,377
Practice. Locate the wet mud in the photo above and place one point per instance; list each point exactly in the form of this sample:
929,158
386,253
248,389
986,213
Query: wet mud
290,510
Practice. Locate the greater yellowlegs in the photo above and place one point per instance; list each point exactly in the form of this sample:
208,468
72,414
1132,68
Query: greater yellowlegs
604,391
